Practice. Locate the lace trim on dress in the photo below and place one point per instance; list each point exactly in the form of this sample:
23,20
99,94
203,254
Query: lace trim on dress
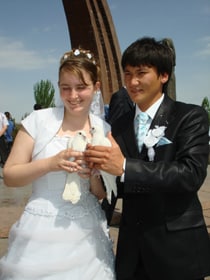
68,210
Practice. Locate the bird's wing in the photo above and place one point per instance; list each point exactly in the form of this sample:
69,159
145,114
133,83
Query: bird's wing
110,184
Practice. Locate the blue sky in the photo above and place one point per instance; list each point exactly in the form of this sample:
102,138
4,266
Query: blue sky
34,35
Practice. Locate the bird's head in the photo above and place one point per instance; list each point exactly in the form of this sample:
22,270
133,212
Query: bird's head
82,134
92,130
96,129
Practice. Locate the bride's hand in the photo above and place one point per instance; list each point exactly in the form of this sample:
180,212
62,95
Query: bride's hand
67,160
85,171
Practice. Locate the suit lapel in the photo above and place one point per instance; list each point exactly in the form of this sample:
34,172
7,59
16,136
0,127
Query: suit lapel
164,114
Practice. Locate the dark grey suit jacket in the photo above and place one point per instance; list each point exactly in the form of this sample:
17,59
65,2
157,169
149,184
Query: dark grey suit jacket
162,222
119,105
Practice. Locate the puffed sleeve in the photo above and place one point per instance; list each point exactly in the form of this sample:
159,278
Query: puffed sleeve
30,124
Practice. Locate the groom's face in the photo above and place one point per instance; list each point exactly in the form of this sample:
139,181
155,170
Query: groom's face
144,85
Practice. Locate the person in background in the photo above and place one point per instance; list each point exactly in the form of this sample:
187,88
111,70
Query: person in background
60,236
162,233
9,132
119,105
3,147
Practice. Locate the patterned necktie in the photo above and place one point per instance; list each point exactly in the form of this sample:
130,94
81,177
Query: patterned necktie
141,127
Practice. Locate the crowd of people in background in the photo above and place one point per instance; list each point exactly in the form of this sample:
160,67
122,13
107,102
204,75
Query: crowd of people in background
7,127
7,130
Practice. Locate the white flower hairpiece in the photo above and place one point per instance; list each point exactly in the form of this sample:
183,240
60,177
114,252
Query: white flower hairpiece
77,52
154,137
89,55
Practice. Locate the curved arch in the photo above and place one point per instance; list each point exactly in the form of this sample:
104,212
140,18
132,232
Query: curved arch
91,26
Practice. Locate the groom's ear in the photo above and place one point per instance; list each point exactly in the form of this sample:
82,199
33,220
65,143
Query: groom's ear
164,78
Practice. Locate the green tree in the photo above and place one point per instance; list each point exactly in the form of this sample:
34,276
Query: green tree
206,105
44,94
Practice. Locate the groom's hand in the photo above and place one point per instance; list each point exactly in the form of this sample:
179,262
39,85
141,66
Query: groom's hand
109,159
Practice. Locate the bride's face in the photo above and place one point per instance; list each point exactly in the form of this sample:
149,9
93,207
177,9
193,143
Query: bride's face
75,94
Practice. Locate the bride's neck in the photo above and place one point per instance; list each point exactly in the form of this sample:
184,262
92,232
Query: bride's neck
73,124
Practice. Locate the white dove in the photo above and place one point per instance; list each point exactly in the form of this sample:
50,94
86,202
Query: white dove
98,138
72,191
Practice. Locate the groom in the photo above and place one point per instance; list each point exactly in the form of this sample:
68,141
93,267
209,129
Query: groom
162,232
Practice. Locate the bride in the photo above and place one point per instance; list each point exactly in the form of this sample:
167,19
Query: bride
62,233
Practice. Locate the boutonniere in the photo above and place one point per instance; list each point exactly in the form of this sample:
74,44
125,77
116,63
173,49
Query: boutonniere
154,137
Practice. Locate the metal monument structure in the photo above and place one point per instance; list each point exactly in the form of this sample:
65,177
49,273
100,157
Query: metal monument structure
91,27
171,86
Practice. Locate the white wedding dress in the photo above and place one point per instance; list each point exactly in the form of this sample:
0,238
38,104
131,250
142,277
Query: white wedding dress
55,239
